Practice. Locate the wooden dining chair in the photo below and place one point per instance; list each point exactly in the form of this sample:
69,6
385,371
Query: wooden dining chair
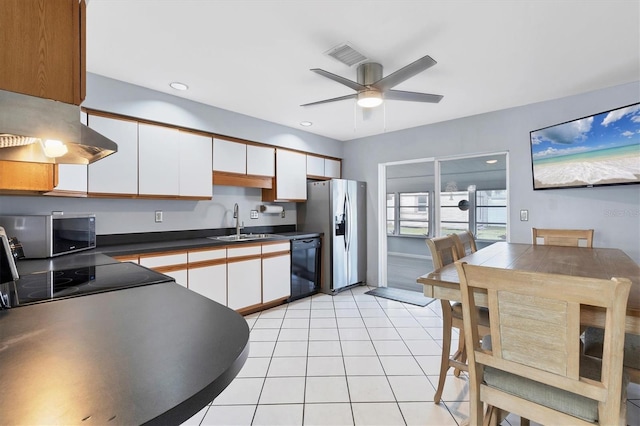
443,252
465,243
531,364
593,339
563,237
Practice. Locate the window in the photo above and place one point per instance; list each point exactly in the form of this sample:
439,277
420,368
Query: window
453,219
391,214
409,216
491,215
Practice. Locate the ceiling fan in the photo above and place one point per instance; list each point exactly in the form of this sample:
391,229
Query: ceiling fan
372,88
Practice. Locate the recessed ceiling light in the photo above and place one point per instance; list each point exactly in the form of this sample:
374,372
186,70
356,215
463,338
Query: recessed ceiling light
306,123
492,161
178,86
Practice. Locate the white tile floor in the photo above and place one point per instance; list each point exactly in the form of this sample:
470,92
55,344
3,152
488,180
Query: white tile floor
344,360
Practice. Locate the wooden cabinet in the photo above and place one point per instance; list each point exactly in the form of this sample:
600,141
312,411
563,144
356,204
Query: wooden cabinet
42,48
158,161
261,161
322,168
291,177
332,168
195,165
152,162
276,271
240,164
173,264
116,174
229,156
19,177
72,181
208,273
244,276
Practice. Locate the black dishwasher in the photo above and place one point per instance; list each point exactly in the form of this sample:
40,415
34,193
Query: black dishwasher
305,267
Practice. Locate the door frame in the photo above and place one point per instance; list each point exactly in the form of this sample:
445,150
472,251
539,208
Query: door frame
382,200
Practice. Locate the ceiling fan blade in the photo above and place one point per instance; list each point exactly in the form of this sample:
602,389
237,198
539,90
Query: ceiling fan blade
405,73
399,95
341,80
341,98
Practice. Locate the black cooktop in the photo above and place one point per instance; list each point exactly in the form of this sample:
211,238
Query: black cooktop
62,284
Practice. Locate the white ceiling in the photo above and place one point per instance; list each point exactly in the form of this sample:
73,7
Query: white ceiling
253,57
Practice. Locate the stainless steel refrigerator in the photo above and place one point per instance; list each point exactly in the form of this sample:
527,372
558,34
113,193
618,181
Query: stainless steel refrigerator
337,208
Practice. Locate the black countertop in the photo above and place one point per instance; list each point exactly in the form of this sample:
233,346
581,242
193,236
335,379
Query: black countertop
153,354
192,243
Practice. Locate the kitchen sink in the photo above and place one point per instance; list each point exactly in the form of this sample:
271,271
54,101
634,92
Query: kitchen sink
242,237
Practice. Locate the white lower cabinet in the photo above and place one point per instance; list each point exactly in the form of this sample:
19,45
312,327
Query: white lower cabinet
172,264
210,281
208,273
244,276
180,276
276,271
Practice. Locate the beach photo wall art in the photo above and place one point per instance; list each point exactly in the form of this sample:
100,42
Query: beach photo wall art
601,149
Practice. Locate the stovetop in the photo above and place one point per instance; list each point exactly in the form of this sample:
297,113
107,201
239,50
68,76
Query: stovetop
62,284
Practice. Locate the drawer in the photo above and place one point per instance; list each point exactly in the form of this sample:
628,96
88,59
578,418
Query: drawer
202,255
276,247
244,250
154,261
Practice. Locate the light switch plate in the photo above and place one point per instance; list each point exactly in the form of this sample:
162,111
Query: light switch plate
254,214
524,215
158,216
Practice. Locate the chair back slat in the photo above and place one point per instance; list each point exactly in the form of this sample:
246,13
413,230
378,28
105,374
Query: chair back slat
563,237
443,251
465,243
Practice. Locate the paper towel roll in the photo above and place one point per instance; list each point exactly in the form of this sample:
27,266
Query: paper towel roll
271,209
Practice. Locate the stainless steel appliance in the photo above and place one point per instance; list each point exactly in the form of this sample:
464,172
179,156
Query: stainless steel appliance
44,236
305,267
337,208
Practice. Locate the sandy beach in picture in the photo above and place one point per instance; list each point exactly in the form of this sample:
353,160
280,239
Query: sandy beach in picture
578,170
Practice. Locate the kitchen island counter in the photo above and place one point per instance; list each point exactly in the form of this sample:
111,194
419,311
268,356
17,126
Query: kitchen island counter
152,354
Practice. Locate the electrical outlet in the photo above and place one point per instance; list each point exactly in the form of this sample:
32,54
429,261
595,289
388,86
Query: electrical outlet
282,214
524,215
158,216
254,214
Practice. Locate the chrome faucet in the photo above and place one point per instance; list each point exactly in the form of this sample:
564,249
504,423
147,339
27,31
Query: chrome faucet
236,216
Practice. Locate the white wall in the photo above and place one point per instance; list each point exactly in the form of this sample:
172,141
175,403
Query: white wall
114,216
614,212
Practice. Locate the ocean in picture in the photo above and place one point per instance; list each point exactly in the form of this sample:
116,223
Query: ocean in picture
605,166
603,149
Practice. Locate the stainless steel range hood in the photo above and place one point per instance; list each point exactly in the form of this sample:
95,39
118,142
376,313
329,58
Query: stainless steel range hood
40,130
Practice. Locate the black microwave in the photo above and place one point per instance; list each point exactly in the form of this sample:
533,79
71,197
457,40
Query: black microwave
44,236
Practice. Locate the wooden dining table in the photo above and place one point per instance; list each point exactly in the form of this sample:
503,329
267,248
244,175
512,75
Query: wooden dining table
604,263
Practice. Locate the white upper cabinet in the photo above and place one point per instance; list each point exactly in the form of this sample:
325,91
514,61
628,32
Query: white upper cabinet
332,168
72,178
159,165
315,165
117,173
261,161
291,175
195,165
319,167
229,156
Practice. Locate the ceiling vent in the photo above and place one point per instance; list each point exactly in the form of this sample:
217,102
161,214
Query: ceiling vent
346,54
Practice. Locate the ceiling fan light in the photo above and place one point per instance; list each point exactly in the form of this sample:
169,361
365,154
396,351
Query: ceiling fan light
369,99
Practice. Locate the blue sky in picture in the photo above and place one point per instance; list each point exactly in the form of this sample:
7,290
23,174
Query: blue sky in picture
613,129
